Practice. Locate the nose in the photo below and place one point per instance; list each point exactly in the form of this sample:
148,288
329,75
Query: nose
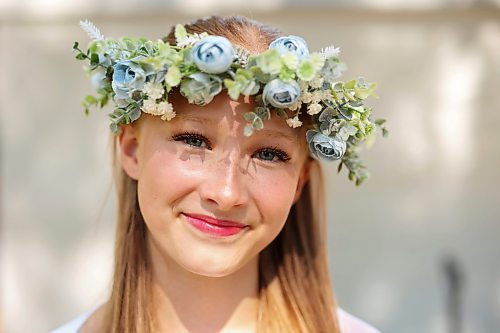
225,183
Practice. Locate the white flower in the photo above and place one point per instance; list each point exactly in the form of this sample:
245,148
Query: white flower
191,40
330,51
166,111
317,96
317,82
294,122
154,90
149,106
314,108
307,97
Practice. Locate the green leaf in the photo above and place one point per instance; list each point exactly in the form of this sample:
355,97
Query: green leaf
81,56
269,62
114,128
317,61
290,60
233,89
352,175
287,75
282,113
75,46
94,59
173,77
90,99
263,112
350,84
339,168
180,33
365,92
306,70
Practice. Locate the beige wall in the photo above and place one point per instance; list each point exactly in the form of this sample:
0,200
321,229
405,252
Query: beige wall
433,192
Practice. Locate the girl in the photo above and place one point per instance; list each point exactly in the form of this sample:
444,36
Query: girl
221,218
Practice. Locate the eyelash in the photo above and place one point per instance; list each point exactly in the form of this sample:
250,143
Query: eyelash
185,136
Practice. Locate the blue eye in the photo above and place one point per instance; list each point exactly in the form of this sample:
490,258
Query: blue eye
193,139
272,155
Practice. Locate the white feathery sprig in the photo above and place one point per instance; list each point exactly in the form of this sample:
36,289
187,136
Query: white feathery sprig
330,51
93,32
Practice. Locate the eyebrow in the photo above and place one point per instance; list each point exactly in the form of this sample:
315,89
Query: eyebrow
195,118
277,134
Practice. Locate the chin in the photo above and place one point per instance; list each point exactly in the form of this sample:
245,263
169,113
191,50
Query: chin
211,268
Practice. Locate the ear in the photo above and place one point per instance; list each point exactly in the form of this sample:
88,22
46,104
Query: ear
303,179
128,141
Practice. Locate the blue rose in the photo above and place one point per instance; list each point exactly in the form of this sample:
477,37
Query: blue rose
294,44
200,88
325,147
127,78
281,94
213,54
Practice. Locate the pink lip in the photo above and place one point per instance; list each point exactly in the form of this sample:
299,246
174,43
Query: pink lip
214,226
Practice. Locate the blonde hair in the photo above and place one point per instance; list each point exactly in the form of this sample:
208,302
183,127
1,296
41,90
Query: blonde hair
295,292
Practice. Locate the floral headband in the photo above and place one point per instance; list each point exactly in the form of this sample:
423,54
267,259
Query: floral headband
138,74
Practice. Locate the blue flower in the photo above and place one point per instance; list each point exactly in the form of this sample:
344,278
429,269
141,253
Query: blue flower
281,94
200,88
325,147
213,54
294,44
127,78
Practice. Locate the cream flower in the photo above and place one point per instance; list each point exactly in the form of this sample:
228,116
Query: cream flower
304,85
314,108
154,90
317,96
295,106
294,122
149,106
166,111
307,97
317,82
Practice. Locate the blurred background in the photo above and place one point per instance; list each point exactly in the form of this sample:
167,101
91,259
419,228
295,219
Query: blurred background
415,249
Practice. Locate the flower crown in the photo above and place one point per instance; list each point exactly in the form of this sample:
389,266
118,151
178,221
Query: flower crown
138,74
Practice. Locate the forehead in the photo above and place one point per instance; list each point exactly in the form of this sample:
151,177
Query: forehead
222,112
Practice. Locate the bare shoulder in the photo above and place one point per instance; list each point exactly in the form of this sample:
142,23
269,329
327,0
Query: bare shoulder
95,321
352,324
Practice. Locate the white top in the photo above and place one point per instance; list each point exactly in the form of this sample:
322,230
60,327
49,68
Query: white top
348,323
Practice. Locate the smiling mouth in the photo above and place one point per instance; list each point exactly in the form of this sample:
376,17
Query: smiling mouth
213,226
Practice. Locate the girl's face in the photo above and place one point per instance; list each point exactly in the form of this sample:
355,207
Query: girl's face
199,169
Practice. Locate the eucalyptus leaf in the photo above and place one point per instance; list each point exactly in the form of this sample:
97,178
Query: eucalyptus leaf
135,114
282,113
249,116
248,130
258,124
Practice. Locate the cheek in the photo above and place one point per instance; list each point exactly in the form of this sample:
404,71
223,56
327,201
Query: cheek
274,193
164,179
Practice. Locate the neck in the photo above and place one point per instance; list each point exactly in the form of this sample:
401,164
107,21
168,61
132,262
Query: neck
188,302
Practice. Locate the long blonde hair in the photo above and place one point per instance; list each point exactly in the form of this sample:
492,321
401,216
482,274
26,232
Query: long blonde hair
295,291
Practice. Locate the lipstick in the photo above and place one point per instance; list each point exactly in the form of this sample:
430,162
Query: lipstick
213,226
